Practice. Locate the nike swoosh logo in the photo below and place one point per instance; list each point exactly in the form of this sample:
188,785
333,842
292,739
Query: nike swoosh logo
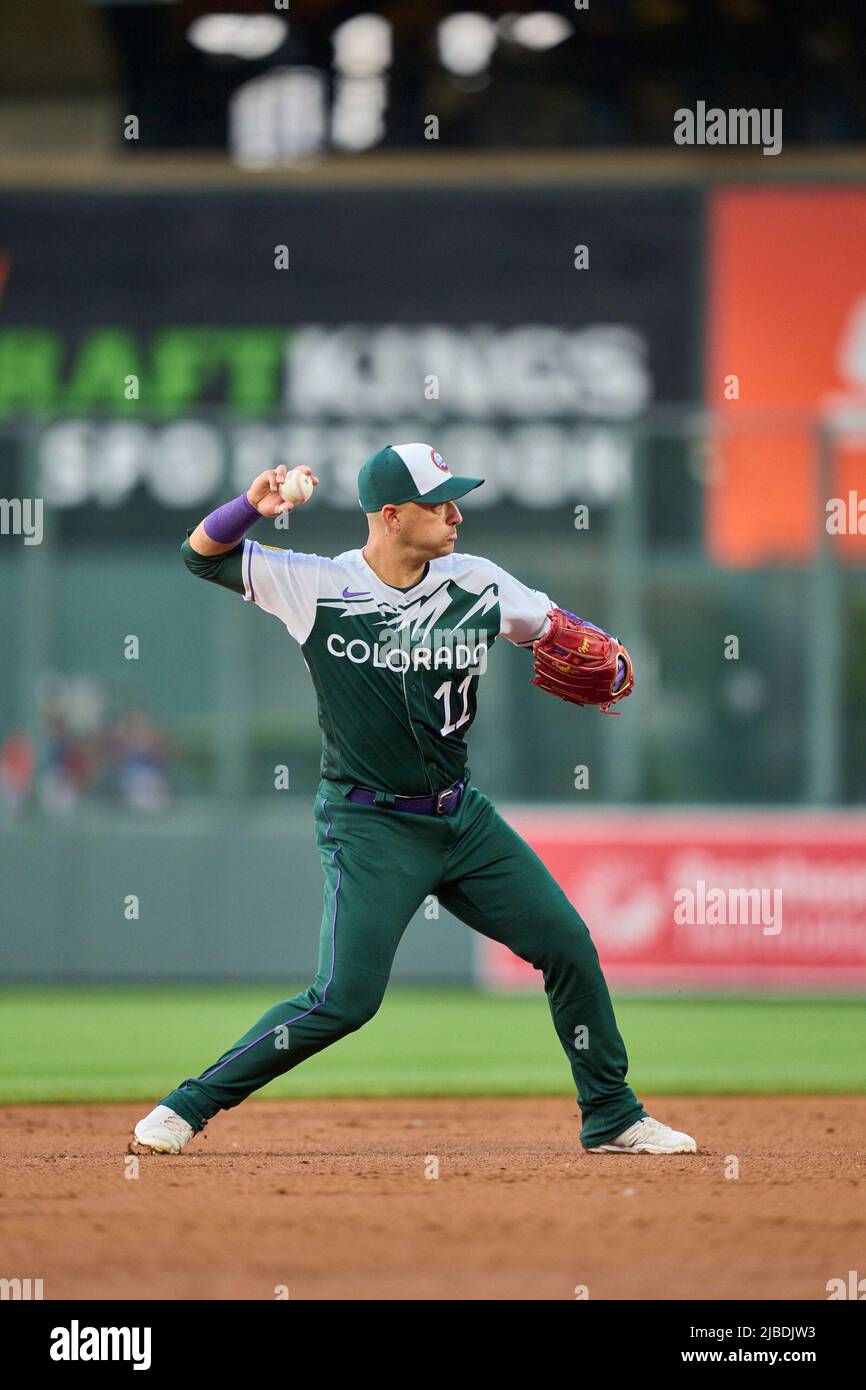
362,593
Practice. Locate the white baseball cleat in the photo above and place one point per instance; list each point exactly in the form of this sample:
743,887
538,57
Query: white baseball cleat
648,1136
161,1132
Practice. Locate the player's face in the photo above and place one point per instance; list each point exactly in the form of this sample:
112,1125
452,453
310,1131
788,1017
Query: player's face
432,527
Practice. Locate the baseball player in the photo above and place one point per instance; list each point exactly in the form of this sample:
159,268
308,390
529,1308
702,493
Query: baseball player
396,636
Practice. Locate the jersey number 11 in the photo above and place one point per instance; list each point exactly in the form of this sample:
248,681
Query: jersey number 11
444,693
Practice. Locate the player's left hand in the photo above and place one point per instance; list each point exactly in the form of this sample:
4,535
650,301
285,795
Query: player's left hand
582,663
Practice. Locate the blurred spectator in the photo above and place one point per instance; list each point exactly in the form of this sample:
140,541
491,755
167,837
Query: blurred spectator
17,764
70,764
139,752
88,752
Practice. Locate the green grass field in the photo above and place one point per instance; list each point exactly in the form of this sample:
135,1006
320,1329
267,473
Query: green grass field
136,1042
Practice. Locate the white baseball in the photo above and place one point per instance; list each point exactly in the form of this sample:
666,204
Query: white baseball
297,486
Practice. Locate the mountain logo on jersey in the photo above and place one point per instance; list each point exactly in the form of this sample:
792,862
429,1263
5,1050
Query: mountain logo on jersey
421,614
426,612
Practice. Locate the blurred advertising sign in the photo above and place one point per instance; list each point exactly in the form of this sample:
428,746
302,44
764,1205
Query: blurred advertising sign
706,901
524,406
173,345
787,333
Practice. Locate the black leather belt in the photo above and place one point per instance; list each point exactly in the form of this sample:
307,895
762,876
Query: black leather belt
439,804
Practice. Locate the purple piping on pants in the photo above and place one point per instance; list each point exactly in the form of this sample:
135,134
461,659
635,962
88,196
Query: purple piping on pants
250,572
313,1007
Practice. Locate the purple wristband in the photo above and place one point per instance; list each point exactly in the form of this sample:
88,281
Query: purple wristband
585,621
230,523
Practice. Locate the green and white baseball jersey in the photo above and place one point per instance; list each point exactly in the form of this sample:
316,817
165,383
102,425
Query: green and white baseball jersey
397,677
396,671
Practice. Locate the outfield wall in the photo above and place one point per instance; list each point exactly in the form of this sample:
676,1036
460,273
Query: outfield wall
189,898
217,899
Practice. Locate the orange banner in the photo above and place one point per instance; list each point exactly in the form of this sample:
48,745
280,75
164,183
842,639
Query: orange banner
786,329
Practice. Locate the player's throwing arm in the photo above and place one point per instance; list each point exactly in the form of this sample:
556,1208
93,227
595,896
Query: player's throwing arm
273,493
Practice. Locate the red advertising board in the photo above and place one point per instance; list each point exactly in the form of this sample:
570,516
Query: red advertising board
707,900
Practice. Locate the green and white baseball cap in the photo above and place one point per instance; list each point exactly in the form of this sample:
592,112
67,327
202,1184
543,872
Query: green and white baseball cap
409,473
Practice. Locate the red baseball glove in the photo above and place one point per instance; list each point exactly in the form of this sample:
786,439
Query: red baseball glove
579,662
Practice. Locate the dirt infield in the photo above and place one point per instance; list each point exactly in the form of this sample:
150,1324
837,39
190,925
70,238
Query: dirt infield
330,1199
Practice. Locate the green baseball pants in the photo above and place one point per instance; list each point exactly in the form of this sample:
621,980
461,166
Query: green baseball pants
380,865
